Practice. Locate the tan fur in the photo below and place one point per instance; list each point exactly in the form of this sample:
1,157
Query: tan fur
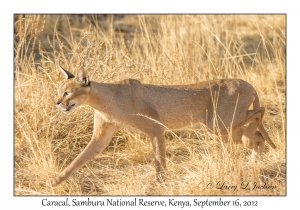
222,105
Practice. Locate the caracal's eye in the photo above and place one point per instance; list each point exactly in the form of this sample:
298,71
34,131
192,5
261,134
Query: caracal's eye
67,93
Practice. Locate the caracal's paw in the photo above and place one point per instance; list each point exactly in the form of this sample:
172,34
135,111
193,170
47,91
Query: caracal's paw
161,176
52,182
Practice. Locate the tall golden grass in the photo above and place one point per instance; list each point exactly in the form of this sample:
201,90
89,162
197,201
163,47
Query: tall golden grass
157,49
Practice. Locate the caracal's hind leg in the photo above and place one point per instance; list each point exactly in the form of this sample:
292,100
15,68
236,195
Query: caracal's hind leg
256,142
103,133
258,145
251,137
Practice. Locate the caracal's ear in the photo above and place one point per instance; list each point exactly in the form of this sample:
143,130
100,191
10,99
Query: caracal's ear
82,77
65,73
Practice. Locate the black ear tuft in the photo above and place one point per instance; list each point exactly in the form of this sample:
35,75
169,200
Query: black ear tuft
66,74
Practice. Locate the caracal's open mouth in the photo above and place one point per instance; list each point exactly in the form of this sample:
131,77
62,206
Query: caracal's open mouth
68,108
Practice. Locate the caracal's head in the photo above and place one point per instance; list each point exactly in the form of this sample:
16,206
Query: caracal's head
73,91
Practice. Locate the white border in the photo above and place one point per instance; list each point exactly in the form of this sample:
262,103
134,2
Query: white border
8,8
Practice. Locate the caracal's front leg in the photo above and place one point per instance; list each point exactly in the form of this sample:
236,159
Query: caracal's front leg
159,148
103,133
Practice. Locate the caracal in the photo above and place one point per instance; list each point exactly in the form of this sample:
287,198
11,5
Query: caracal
222,105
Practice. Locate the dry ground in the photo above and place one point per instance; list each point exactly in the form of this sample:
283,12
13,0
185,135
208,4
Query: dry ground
158,49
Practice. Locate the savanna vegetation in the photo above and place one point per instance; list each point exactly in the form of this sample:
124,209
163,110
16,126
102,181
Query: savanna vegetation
157,49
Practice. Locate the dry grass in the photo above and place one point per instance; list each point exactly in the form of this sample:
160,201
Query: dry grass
160,49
